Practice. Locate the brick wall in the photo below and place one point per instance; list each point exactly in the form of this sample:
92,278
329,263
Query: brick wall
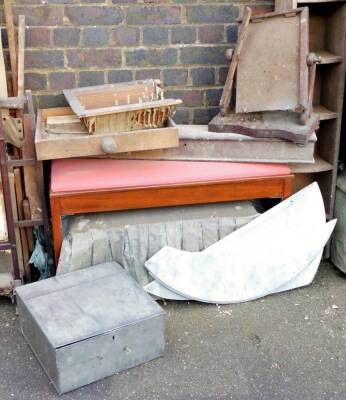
89,42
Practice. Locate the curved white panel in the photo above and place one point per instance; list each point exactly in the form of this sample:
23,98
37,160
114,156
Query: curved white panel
157,289
263,257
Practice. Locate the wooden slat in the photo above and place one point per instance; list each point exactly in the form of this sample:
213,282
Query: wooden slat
63,124
306,87
70,129
272,14
282,5
15,216
324,113
195,143
227,90
11,44
13,102
24,240
46,113
62,120
318,166
117,98
3,80
317,1
328,58
29,223
130,107
17,231
27,216
30,174
21,51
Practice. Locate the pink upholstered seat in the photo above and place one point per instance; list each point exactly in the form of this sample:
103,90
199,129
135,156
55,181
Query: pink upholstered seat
90,174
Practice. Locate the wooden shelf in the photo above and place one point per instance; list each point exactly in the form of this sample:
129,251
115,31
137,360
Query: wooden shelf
318,166
327,58
324,113
316,1
327,33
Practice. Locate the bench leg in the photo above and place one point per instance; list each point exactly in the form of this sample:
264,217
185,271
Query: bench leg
287,187
57,228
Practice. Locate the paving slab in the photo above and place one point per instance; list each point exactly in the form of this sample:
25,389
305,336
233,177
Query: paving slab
286,346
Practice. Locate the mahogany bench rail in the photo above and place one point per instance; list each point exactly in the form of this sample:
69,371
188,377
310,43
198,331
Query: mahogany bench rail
79,202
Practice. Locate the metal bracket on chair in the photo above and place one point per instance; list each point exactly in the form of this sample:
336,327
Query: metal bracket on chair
13,129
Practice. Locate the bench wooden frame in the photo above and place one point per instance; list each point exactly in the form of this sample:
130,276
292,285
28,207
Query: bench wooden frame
79,202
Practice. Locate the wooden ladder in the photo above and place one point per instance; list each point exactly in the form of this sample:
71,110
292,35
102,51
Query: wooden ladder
19,103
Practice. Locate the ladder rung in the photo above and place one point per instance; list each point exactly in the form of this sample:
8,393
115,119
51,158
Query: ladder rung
28,223
21,163
6,246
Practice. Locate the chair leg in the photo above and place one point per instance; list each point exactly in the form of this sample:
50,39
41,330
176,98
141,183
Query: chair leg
57,227
287,187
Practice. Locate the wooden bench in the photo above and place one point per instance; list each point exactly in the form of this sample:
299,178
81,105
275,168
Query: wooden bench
89,185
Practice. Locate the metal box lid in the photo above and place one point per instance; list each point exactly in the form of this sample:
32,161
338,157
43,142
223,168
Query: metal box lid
86,303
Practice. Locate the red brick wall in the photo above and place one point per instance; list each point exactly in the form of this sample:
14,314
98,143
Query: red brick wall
89,42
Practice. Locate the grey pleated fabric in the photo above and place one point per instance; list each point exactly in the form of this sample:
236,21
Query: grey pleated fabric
131,245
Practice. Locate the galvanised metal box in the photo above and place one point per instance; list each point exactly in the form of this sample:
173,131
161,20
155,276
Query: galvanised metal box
89,324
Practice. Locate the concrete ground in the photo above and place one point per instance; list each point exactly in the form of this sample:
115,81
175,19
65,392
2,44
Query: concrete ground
287,346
